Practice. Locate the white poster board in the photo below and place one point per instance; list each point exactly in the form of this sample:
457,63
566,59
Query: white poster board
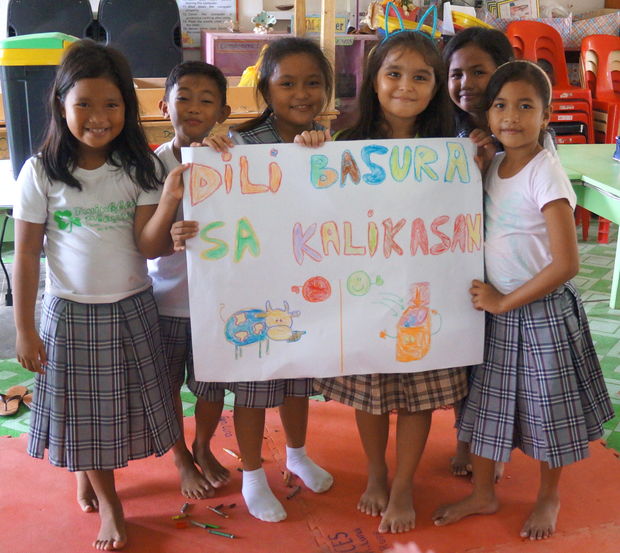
349,259
204,14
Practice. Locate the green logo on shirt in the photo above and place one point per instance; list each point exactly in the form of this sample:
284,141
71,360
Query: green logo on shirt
65,220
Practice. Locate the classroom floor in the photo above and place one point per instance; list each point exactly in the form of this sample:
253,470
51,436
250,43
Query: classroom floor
36,494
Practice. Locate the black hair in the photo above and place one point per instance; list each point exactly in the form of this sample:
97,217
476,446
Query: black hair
196,68
86,59
519,70
493,42
274,54
435,121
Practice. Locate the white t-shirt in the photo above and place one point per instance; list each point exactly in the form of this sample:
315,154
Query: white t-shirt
169,273
89,241
516,241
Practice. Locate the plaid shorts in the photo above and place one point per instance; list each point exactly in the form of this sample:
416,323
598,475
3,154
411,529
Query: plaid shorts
177,340
540,387
382,393
105,397
270,393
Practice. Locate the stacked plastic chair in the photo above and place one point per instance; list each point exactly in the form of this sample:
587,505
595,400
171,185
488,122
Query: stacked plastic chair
571,116
600,69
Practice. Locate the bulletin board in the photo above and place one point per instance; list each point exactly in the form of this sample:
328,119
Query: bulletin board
204,14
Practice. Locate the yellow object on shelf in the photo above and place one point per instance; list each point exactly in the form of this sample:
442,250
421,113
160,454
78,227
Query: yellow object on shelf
464,20
394,25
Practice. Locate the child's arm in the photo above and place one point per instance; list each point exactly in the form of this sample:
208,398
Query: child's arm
152,222
564,265
29,347
182,231
313,139
485,149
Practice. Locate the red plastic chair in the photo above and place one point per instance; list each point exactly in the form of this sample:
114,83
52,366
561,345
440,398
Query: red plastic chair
603,75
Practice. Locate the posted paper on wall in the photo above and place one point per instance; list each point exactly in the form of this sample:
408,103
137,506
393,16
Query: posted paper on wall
353,258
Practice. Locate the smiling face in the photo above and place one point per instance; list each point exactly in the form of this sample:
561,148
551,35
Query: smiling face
296,94
95,114
405,85
518,115
468,76
194,105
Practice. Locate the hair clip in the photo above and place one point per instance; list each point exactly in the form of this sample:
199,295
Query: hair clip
431,10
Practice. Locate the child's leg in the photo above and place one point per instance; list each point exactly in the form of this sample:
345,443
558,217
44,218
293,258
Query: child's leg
460,462
542,519
294,416
249,428
193,484
86,497
411,434
373,431
482,501
207,417
112,534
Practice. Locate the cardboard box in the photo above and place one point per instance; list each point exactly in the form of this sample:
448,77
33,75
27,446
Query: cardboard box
150,92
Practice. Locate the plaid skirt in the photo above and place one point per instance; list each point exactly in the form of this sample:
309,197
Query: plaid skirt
105,397
382,393
540,387
176,337
270,393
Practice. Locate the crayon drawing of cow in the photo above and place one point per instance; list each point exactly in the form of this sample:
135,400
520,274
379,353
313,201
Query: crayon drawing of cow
249,326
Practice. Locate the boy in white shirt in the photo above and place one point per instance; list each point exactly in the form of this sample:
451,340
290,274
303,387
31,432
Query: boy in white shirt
194,101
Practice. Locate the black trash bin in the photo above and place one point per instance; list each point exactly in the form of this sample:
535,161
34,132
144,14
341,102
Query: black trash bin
28,66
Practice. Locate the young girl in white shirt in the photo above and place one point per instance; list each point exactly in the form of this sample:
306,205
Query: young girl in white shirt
102,392
540,387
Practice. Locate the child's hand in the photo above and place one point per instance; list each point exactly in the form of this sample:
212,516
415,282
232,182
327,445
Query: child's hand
220,143
313,139
173,186
182,231
486,298
485,148
30,352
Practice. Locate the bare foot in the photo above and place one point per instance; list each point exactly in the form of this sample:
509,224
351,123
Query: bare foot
541,523
216,474
499,470
471,505
112,534
86,497
374,500
399,515
193,484
460,464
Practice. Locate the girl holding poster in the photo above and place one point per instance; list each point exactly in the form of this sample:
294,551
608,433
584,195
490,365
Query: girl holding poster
540,387
403,95
295,82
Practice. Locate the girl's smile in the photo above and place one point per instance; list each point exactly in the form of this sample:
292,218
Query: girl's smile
94,110
468,77
405,86
517,116
296,94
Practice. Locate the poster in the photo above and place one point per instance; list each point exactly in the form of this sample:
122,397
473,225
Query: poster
349,259
204,14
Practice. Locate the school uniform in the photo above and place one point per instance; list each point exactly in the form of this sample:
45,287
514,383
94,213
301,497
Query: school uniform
267,393
104,398
540,387
171,291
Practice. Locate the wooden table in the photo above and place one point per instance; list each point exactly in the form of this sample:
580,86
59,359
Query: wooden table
596,180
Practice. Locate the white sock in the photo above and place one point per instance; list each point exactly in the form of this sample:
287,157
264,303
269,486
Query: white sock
313,476
259,498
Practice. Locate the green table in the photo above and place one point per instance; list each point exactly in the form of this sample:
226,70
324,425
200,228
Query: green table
596,180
